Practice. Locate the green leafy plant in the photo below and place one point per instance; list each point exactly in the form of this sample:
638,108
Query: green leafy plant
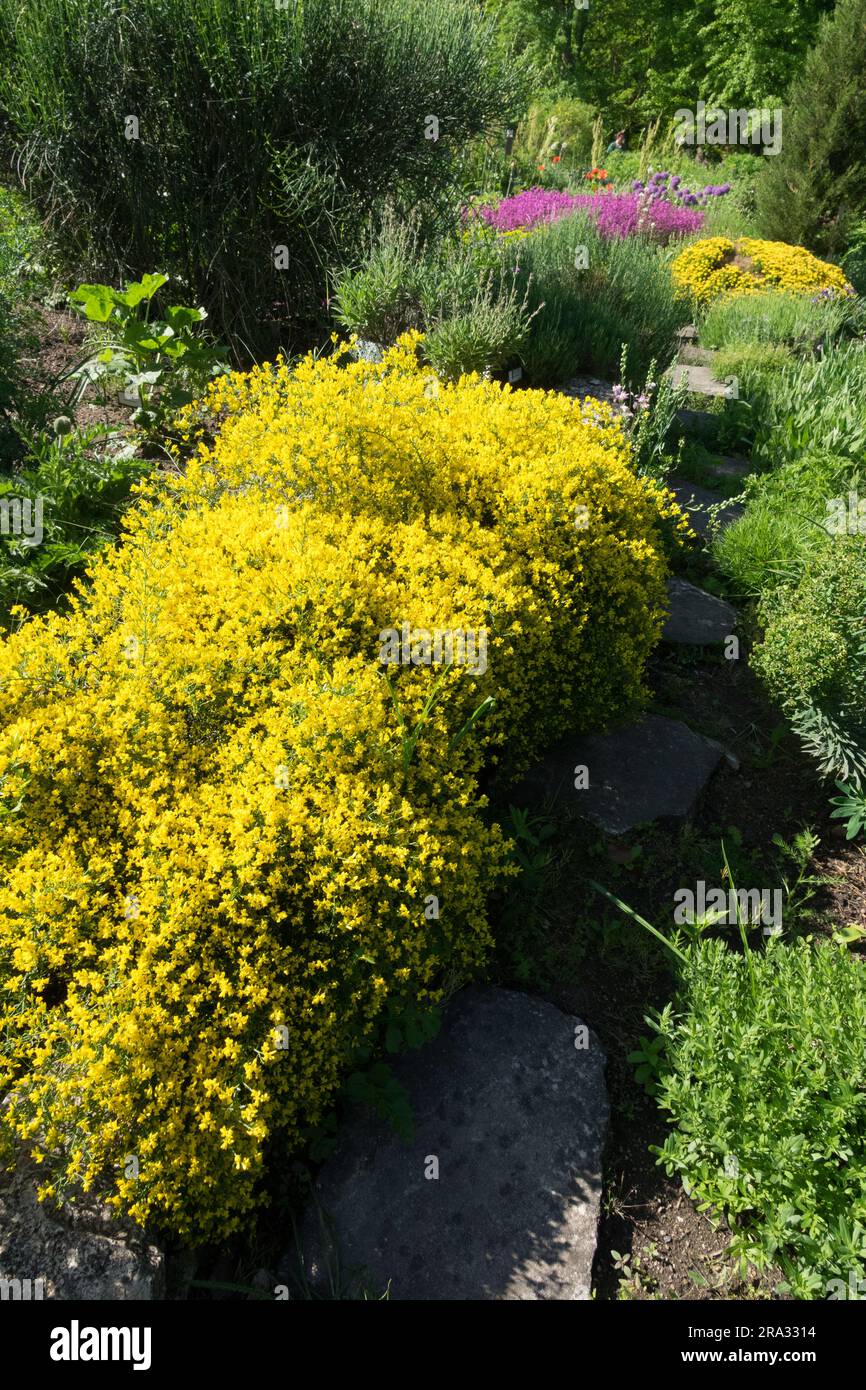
80,481
759,1063
377,1087
481,336
160,360
850,807
775,318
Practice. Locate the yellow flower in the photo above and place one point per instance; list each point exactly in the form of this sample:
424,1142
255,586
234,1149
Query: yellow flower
223,848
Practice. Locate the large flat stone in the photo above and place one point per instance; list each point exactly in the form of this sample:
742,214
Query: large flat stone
730,466
698,503
691,355
703,423
79,1252
696,618
515,1115
699,380
652,770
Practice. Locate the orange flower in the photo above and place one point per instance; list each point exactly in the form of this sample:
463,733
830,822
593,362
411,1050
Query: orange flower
556,158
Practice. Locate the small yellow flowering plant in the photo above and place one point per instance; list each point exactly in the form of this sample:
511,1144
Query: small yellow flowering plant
717,266
220,869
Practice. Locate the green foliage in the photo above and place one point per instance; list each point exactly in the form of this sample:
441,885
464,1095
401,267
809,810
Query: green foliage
815,189
483,299
483,335
813,653
556,125
160,360
624,295
777,318
854,260
650,427
260,127
814,405
755,365
459,291
850,807
636,61
23,277
80,482
765,1088
380,299
24,254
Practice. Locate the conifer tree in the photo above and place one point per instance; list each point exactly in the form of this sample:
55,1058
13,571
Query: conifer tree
814,190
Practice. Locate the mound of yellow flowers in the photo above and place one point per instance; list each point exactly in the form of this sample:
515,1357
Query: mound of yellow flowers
232,838
716,266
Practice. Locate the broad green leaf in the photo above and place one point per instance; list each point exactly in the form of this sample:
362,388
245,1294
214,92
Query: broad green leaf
95,301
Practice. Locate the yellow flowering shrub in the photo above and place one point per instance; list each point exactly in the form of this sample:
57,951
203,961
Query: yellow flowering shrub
222,859
715,266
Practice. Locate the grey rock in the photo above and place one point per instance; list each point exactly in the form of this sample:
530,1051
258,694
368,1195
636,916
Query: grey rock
582,386
703,423
730,466
366,351
515,1114
696,618
692,355
652,770
702,506
76,1252
699,380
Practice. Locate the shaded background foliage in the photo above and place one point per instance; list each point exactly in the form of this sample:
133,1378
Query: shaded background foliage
637,58
259,127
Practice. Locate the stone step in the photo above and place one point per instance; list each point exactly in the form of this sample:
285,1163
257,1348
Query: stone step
701,423
700,380
729,466
693,356
497,1195
698,502
696,618
652,770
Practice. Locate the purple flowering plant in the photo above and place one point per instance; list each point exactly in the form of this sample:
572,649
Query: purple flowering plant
659,209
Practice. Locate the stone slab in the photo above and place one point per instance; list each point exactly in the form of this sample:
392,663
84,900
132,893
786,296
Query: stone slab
698,501
514,1113
652,770
699,380
696,618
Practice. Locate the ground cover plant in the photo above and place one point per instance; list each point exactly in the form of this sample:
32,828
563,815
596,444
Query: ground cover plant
562,298
211,736
759,1062
718,266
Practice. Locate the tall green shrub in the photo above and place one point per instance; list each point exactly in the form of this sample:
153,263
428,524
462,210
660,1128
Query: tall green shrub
265,134
813,190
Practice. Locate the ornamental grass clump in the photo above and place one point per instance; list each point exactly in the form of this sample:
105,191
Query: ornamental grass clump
718,266
233,836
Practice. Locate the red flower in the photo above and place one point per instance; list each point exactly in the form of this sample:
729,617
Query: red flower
556,158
